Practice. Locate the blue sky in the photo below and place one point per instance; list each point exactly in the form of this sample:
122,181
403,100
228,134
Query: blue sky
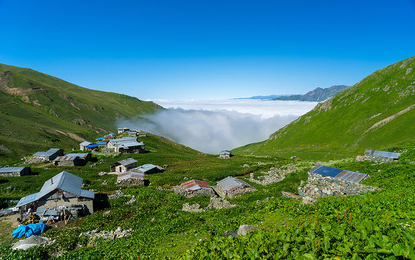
206,49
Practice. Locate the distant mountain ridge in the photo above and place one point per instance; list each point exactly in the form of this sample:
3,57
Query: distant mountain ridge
316,95
376,113
38,111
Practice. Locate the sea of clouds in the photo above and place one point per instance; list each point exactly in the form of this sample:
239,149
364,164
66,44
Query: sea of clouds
210,126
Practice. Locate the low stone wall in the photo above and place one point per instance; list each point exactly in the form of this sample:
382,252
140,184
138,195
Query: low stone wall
320,186
378,159
190,194
272,176
131,182
235,193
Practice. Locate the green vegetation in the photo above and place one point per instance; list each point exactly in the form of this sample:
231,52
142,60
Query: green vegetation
376,225
375,113
38,111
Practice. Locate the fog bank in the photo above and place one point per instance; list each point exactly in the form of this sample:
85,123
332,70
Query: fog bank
212,126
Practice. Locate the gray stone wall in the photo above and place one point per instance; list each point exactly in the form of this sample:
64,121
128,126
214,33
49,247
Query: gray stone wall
190,194
131,182
272,176
378,159
320,186
235,193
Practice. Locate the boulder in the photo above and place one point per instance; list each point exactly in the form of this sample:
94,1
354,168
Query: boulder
243,230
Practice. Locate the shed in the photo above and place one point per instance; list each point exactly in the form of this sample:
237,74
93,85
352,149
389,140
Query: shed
125,165
194,188
148,168
72,159
381,156
83,145
232,187
63,189
125,145
15,171
49,155
338,173
130,178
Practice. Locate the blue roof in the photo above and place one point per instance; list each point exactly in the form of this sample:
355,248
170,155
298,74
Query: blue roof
101,143
92,146
338,173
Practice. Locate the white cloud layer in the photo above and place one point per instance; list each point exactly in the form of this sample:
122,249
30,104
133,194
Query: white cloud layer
212,126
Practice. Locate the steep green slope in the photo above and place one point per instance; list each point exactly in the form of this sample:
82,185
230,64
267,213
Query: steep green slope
38,111
378,112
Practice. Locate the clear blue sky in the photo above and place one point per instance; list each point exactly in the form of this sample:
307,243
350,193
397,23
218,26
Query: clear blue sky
206,49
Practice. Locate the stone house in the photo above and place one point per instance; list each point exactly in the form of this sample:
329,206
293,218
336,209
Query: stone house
194,188
60,191
125,165
130,178
225,154
231,187
49,155
15,171
125,145
381,156
326,181
73,159
148,169
83,145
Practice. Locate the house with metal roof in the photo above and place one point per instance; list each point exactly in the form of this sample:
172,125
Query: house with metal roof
324,181
130,178
232,187
125,145
381,156
72,159
49,155
148,168
83,145
63,189
338,173
124,165
194,188
225,154
15,171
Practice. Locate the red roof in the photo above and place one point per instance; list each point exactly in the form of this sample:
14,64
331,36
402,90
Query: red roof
195,185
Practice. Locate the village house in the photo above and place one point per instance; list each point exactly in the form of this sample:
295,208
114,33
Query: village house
15,171
194,188
225,154
125,165
132,133
62,191
326,181
125,145
130,178
123,130
232,187
381,156
72,159
49,155
148,169
83,145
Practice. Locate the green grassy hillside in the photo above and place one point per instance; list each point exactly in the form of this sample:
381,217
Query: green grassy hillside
376,113
38,111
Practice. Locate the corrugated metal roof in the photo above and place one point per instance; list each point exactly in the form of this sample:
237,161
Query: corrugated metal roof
195,185
46,212
101,143
225,152
127,161
71,156
11,169
338,173
231,184
146,167
63,181
85,143
26,200
48,153
130,175
391,155
126,142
